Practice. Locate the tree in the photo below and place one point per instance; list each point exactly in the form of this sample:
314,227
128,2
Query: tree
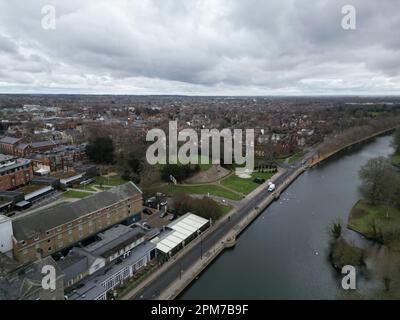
178,171
344,253
205,207
396,141
377,180
101,150
134,163
336,230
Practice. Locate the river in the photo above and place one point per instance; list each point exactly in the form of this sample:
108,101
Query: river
284,252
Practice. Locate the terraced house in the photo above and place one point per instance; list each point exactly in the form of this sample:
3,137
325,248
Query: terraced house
47,231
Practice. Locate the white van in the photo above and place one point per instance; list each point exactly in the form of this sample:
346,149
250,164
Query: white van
271,187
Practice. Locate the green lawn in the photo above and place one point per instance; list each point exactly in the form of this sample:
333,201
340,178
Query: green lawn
245,186
374,221
212,189
76,194
225,210
396,160
295,157
111,181
89,187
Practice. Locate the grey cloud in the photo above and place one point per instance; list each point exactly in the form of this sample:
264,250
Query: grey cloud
208,46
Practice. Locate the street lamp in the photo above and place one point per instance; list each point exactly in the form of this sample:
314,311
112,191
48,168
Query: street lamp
180,270
201,245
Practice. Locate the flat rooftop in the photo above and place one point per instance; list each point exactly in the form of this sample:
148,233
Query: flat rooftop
114,239
5,157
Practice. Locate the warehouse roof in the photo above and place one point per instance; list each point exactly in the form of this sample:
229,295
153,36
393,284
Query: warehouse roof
10,140
29,226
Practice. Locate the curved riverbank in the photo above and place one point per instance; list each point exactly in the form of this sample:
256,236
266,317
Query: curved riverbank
320,158
284,255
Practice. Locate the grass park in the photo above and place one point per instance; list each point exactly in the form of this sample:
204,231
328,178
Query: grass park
245,186
200,189
76,194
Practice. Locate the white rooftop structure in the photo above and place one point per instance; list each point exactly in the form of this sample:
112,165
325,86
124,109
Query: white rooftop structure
183,228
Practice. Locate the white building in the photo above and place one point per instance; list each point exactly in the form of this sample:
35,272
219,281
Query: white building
182,231
6,234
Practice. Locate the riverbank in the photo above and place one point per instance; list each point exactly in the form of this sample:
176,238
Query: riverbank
319,158
375,222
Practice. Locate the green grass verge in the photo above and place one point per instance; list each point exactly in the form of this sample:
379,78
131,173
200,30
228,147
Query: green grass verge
224,210
212,189
396,160
76,194
245,186
295,157
111,181
375,222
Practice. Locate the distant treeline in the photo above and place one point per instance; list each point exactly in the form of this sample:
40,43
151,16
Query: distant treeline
354,134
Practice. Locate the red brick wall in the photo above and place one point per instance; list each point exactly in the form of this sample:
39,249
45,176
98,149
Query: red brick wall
7,148
20,179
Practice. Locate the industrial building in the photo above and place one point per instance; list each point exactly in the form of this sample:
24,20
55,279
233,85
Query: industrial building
48,231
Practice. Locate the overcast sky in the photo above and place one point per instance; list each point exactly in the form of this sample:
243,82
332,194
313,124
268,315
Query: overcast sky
210,47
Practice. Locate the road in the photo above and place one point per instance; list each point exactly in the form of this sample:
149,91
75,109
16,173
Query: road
184,261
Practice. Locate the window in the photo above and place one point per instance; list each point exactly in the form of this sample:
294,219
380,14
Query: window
49,249
25,252
69,232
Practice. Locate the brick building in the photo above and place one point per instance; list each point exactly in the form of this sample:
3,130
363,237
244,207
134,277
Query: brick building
50,230
60,158
14,172
18,147
9,144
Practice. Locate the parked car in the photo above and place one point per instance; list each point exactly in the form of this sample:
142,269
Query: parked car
271,187
163,214
147,211
146,226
